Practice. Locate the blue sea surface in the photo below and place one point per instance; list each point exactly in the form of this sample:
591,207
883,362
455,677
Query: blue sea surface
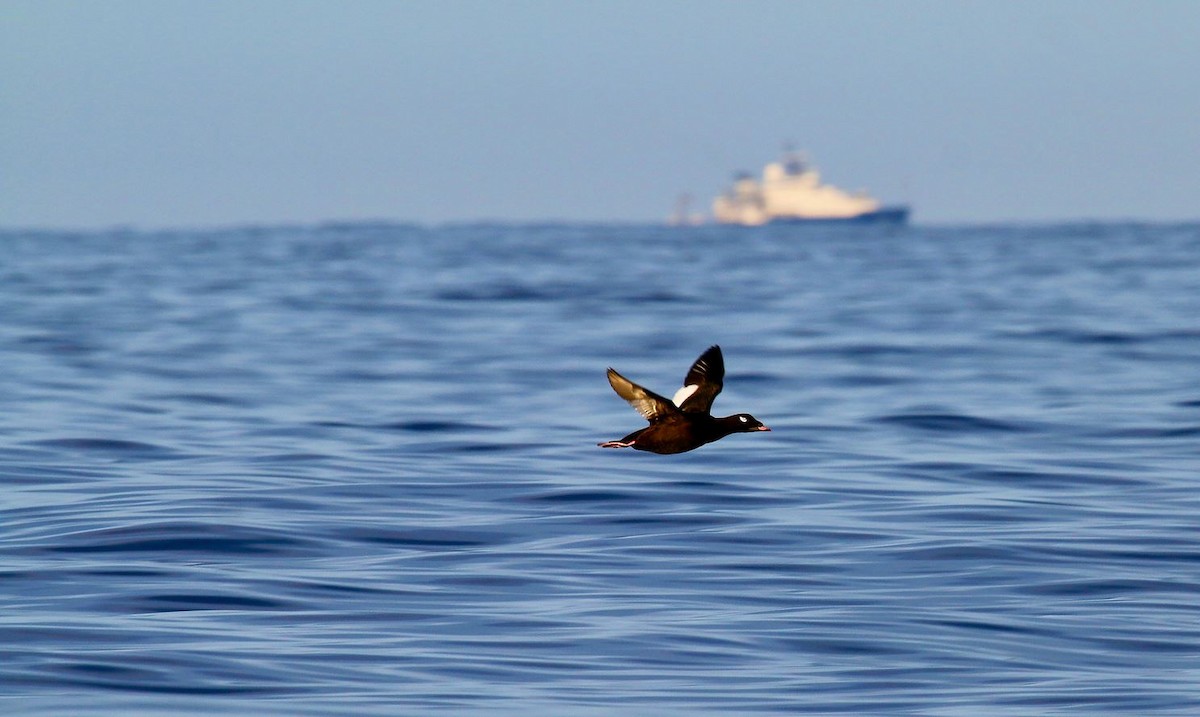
352,470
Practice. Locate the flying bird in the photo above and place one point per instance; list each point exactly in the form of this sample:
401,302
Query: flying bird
685,422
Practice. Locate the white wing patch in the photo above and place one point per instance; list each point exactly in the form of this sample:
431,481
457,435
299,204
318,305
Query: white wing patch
684,393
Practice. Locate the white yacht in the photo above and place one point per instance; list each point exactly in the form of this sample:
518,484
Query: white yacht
791,191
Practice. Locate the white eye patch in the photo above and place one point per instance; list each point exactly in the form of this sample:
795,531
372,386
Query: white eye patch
742,419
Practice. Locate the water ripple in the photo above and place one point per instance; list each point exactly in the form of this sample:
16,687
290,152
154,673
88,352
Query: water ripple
944,422
179,538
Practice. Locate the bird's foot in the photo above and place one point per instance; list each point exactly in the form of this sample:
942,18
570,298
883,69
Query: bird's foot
615,444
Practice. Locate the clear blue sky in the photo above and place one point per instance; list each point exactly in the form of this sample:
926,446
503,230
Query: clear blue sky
162,113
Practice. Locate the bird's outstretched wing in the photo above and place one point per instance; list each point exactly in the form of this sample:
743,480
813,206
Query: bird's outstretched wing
652,406
702,383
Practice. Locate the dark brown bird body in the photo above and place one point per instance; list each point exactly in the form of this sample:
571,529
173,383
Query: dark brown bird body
685,423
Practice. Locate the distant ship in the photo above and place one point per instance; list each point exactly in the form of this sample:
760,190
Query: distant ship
791,192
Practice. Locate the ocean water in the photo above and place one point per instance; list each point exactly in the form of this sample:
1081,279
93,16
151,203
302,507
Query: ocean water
352,470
